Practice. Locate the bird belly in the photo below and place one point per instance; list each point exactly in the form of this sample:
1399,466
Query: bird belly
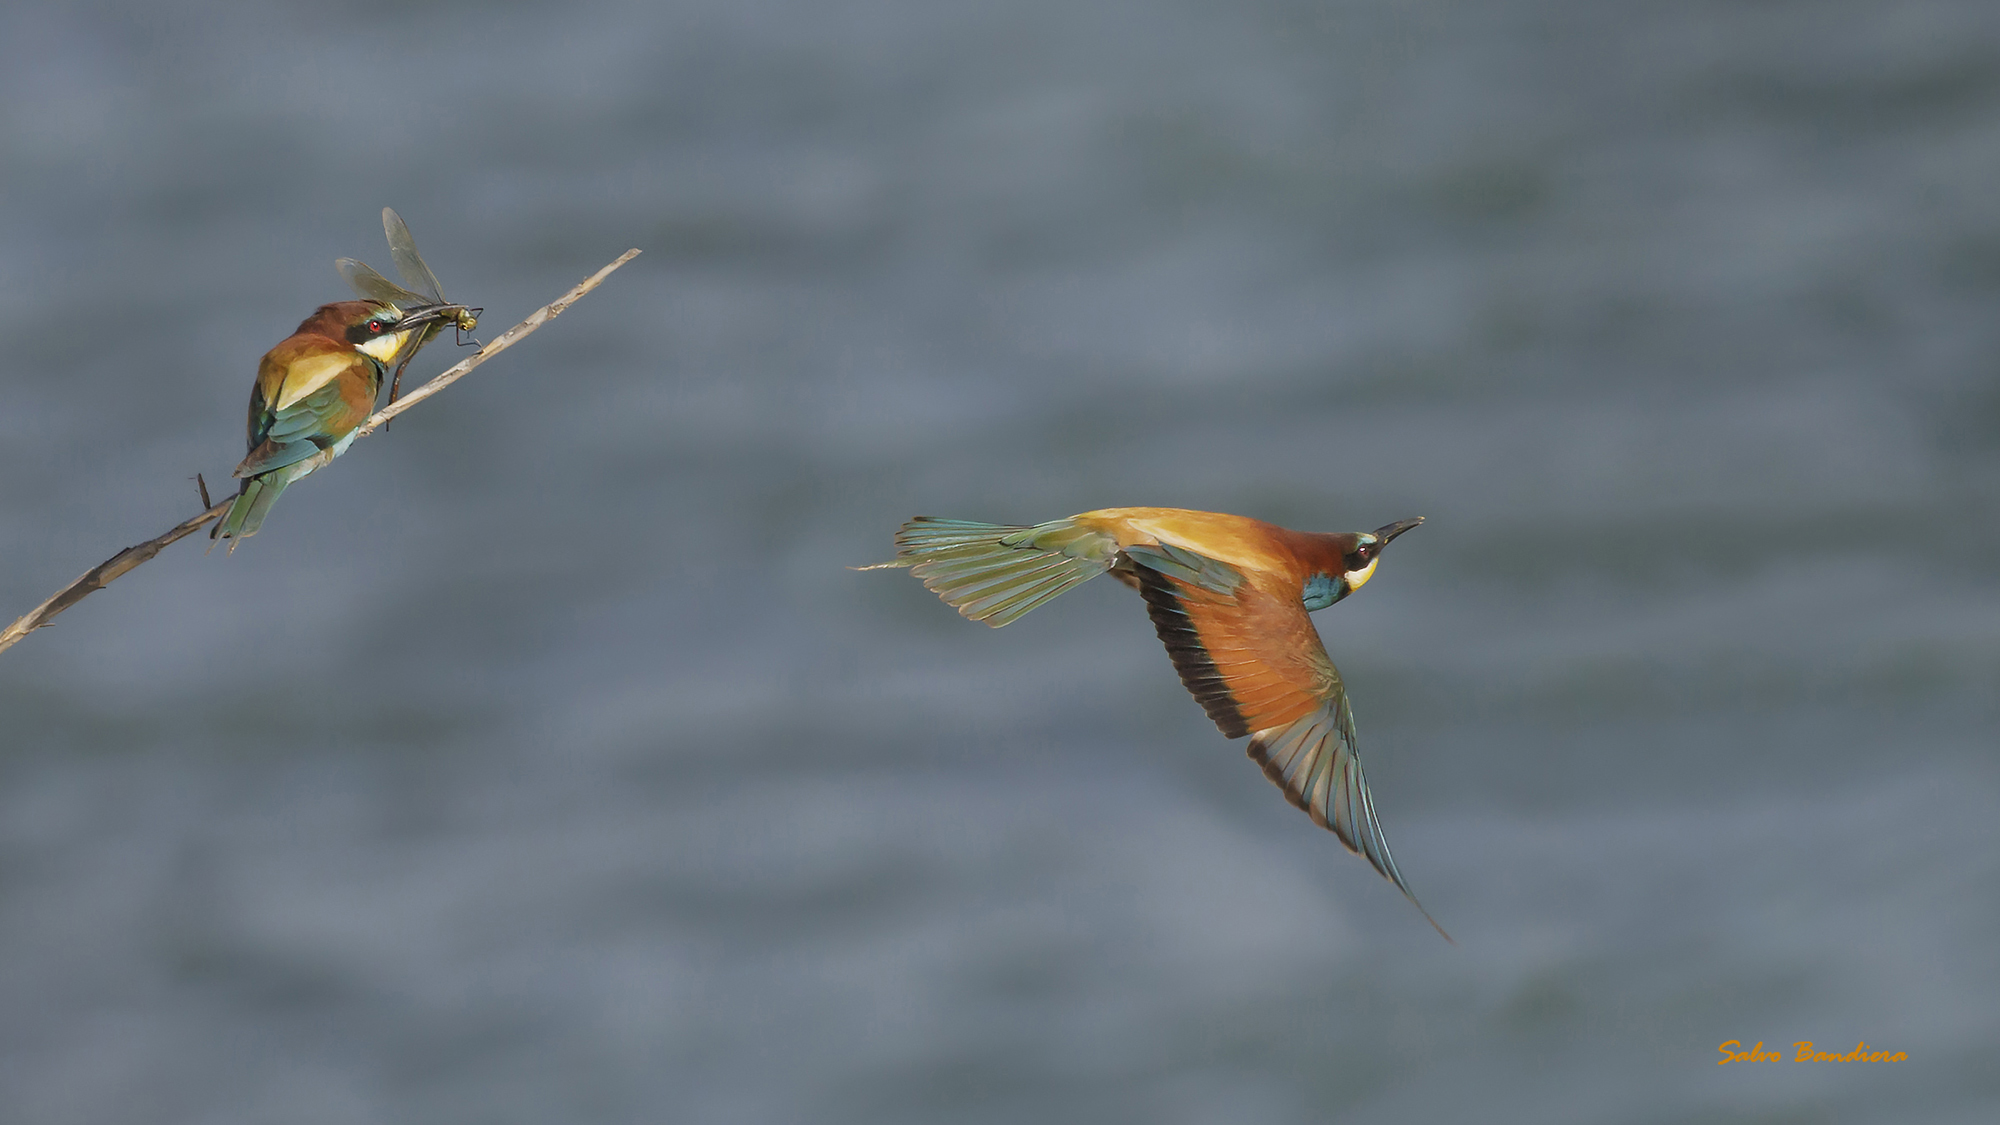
340,447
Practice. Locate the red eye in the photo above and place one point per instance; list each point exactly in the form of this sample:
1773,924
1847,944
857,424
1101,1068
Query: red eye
374,326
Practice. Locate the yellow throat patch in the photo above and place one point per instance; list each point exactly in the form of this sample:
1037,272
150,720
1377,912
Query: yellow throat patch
382,349
1359,578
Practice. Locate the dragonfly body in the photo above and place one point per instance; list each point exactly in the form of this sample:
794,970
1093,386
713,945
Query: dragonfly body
1230,598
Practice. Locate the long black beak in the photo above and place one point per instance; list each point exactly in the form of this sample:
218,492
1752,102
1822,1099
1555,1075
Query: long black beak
1392,530
418,315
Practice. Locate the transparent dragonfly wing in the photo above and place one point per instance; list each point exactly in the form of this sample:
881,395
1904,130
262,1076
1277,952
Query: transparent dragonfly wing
409,263
367,283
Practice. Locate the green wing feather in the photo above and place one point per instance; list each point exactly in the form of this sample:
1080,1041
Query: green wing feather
280,440
1314,761
1213,575
995,573
288,436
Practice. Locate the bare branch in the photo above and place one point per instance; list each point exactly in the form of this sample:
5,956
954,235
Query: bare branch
452,375
102,575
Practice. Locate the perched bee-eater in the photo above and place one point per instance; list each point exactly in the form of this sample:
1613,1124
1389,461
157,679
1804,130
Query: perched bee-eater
312,391
1229,596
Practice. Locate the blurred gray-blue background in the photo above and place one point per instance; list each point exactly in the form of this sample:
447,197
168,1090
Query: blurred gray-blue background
541,762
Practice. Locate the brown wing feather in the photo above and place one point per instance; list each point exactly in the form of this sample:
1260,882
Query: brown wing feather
1252,659
1257,666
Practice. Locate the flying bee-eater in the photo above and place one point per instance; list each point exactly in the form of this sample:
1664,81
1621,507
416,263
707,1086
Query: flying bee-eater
1230,597
312,391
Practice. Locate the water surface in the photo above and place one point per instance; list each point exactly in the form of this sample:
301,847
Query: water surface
542,762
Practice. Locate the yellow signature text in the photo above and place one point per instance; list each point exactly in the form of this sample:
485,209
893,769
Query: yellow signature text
1732,1051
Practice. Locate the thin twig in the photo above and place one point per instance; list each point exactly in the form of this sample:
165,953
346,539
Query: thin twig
102,575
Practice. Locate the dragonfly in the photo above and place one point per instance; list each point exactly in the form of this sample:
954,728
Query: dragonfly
425,295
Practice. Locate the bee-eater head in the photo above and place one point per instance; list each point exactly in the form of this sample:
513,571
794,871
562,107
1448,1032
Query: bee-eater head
375,329
1359,552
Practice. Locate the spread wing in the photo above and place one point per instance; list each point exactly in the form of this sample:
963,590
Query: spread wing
1255,663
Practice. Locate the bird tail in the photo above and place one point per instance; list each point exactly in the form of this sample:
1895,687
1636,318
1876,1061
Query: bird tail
253,503
996,573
